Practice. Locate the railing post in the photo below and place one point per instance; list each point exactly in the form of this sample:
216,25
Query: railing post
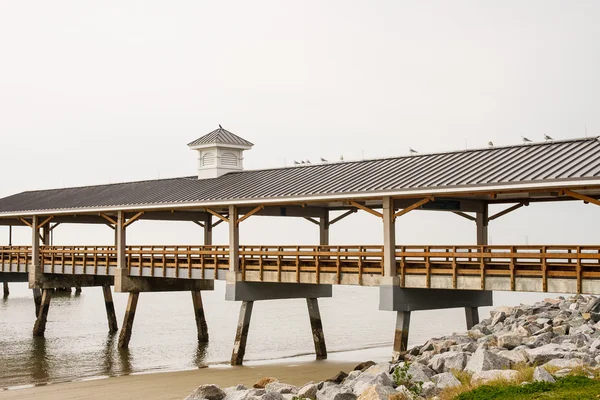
234,240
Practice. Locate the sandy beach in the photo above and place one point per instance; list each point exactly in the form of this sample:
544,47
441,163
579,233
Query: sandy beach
177,385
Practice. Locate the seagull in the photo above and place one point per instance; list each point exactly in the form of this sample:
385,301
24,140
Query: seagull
296,162
525,140
341,158
220,127
308,161
323,160
491,144
412,151
547,137
302,162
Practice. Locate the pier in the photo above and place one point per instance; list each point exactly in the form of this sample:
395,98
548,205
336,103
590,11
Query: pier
410,277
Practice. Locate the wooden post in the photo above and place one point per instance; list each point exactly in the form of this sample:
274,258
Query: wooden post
239,346
40,323
35,270
472,314
208,230
324,229
111,315
37,299
234,240
317,328
5,291
389,238
127,327
200,318
401,336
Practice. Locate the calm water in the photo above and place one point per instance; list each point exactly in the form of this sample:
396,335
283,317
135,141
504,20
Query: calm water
77,344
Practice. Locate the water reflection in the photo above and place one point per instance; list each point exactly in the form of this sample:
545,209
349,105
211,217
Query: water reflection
39,362
201,355
125,356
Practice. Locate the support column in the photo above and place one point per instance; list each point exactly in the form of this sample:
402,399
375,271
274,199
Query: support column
234,240
121,273
324,229
472,315
208,230
6,291
317,328
40,323
200,318
37,299
389,238
241,335
127,327
401,335
111,315
35,269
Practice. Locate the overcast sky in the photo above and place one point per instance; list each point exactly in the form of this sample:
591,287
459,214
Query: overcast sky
93,92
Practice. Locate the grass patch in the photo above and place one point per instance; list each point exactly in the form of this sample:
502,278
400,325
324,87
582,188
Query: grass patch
568,388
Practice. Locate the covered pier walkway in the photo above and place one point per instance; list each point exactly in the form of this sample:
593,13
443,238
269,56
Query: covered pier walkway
410,277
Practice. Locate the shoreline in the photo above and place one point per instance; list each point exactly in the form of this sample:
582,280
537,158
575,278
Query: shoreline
157,385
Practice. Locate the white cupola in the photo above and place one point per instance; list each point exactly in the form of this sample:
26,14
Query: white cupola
219,152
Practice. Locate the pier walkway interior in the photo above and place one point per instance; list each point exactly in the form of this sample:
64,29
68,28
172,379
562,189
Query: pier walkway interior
410,277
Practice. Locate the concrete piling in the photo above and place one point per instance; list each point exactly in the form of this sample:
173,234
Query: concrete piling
200,317
111,315
472,315
127,327
37,299
40,323
317,328
239,346
5,291
401,335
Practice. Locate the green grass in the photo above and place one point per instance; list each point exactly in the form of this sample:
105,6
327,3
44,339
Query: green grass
568,388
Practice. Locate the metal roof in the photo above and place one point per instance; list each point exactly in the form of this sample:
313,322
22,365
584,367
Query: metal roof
552,164
221,136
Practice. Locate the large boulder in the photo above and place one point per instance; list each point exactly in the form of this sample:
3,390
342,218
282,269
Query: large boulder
543,354
272,396
335,392
209,392
264,382
515,356
483,377
510,340
428,389
420,372
282,388
308,391
485,360
447,362
445,380
377,392
541,375
364,366
360,384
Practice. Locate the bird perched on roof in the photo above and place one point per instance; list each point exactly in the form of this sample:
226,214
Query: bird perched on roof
491,144
525,140
412,151
323,160
296,162
308,161
547,137
302,162
220,127
341,158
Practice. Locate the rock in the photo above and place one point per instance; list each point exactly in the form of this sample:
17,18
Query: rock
544,354
360,384
448,361
377,369
541,375
445,380
560,330
562,363
264,382
282,388
364,366
483,377
510,340
595,345
352,376
540,340
420,372
335,392
240,394
514,356
232,389
498,317
308,391
561,373
485,360
339,378
377,392
428,389
209,392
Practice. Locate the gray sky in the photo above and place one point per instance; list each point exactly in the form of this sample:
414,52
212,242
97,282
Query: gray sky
94,92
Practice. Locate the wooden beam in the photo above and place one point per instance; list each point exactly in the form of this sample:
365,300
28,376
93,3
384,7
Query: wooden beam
365,208
45,222
582,197
111,226
341,217
465,215
250,213
109,219
314,221
412,207
23,220
200,224
53,226
508,210
216,214
132,219
221,221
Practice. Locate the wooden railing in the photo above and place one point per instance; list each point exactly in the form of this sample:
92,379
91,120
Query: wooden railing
14,258
544,262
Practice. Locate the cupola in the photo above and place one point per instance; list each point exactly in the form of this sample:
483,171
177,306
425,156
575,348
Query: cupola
219,152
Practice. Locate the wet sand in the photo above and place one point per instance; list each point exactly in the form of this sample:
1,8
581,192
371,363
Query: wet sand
177,385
